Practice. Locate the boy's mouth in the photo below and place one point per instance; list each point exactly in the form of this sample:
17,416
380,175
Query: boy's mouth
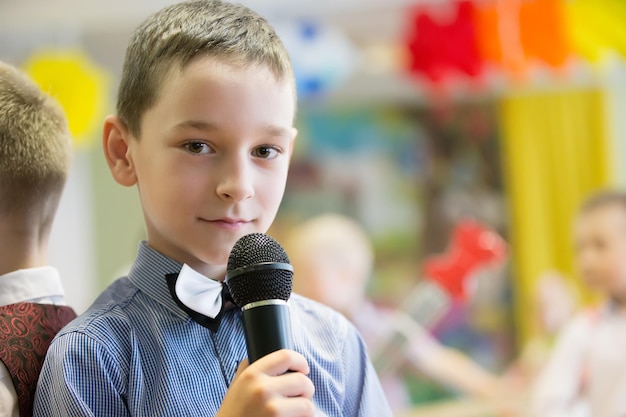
228,223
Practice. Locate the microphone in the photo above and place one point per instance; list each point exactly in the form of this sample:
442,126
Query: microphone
260,278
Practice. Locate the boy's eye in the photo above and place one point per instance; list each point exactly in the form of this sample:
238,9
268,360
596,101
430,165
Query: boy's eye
266,152
197,147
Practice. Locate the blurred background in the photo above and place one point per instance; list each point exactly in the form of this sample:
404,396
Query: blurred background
413,116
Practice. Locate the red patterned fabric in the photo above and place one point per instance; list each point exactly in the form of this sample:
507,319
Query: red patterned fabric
26,330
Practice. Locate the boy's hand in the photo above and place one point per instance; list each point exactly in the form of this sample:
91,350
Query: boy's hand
266,389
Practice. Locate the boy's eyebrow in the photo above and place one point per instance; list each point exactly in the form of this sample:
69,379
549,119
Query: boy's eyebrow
196,124
269,130
277,131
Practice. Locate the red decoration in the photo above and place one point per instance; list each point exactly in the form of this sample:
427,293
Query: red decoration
472,246
440,48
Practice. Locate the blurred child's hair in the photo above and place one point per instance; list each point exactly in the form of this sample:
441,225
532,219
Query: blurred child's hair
174,36
603,198
35,148
339,238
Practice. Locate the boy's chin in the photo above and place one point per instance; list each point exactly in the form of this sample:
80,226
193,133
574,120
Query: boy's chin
216,258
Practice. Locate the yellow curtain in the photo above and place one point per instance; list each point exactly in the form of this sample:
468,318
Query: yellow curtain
555,152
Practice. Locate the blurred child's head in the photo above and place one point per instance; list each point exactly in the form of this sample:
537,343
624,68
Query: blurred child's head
600,241
205,128
35,152
333,260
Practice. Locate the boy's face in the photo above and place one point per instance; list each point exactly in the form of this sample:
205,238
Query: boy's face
211,163
600,238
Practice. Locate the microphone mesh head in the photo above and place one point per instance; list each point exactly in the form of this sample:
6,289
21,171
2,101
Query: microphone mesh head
253,286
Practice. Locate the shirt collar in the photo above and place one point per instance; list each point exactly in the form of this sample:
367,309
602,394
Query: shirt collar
148,274
29,284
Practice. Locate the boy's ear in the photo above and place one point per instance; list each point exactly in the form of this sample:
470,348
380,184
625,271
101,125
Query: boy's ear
115,143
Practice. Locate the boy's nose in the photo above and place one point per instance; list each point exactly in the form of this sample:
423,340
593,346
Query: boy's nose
236,183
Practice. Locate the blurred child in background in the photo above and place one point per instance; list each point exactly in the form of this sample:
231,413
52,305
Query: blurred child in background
35,152
333,260
586,373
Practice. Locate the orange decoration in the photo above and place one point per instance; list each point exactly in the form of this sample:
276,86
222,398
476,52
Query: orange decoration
516,34
487,33
543,33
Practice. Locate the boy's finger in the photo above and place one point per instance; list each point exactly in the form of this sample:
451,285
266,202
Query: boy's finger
297,406
293,384
281,361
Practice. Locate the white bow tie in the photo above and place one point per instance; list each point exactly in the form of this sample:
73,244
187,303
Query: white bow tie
201,297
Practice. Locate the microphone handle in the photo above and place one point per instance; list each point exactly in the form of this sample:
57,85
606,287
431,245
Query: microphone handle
427,303
267,327
424,306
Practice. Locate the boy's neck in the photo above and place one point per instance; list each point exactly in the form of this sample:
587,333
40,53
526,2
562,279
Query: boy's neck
20,248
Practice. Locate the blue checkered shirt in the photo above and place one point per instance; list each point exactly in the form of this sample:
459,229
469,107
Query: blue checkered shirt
135,353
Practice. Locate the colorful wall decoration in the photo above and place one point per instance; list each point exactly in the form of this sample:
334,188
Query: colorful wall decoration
470,38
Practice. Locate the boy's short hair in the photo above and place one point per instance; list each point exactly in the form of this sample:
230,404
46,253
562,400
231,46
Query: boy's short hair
182,31
602,199
35,146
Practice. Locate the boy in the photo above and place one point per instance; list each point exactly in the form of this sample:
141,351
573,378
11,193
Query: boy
333,261
34,162
586,373
205,130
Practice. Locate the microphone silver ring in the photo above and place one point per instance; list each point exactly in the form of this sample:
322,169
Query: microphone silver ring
263,303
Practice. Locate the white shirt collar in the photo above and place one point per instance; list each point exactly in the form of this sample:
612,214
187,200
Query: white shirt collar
30,284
